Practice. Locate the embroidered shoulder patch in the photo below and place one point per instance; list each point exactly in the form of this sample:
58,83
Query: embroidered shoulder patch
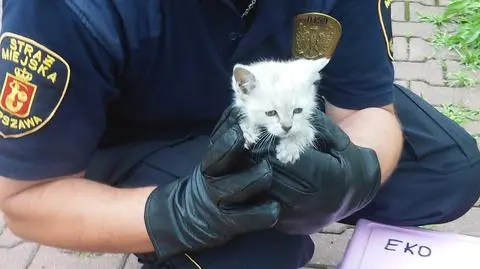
384,15
35,80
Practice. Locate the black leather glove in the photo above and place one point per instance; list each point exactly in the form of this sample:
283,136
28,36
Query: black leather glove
328,182
209,207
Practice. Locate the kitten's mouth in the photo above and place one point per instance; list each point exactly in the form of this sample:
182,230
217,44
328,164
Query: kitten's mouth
285,134
277,134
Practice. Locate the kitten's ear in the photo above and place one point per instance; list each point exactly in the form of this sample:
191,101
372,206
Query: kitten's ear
244,78
319,64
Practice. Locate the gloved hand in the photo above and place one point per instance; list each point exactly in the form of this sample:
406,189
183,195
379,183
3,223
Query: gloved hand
210,206
328,183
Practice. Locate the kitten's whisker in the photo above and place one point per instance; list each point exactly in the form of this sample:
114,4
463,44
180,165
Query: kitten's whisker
260,142
271,142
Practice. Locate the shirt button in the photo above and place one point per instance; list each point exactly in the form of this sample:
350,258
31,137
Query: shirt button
234,36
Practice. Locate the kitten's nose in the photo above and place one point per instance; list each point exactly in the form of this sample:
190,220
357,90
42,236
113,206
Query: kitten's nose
286,128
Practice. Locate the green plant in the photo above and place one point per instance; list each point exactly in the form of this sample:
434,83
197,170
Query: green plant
464,36
408,36
460,114
461,79
407,10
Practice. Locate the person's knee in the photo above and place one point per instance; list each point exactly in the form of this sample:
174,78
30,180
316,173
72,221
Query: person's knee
465,185
416,196
265,249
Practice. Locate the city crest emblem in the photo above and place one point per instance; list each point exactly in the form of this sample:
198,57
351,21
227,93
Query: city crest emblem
35,80
316,35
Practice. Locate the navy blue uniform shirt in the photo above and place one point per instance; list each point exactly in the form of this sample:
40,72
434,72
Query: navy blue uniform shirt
79,74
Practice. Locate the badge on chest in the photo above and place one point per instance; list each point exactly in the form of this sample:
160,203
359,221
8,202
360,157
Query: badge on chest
315,35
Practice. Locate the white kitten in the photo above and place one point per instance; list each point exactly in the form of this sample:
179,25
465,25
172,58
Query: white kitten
279,97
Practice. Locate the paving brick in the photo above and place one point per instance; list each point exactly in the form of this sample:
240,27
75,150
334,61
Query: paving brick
48,257
132,263
2,223
421,50
472,127
398,11
467,224
430,71
417,9
19,257
400,48
424,2
329,248
444,2
403,83
336,228
9,240
455,66
436,95
414,29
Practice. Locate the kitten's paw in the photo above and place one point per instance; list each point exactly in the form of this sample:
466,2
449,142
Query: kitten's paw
287,153
250,135
250,138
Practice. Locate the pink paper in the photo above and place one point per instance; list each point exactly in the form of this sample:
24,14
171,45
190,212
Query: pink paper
377,246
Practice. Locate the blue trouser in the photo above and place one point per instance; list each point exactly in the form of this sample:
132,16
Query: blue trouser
437,181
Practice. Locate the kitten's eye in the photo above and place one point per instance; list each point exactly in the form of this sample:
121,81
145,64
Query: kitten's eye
297,110
271,113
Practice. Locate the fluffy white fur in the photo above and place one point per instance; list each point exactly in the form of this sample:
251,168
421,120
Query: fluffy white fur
279,97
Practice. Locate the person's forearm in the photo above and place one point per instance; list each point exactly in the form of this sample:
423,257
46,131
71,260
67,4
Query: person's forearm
379,130
81,215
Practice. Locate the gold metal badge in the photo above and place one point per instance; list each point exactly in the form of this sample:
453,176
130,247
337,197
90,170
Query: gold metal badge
316,35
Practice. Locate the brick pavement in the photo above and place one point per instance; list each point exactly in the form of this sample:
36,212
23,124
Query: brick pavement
417,66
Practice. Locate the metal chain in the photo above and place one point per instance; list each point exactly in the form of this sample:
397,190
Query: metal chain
249,8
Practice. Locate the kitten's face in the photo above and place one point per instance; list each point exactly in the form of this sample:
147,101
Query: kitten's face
278,96
281,114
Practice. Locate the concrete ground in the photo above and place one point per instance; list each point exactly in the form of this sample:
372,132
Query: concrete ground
417,66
